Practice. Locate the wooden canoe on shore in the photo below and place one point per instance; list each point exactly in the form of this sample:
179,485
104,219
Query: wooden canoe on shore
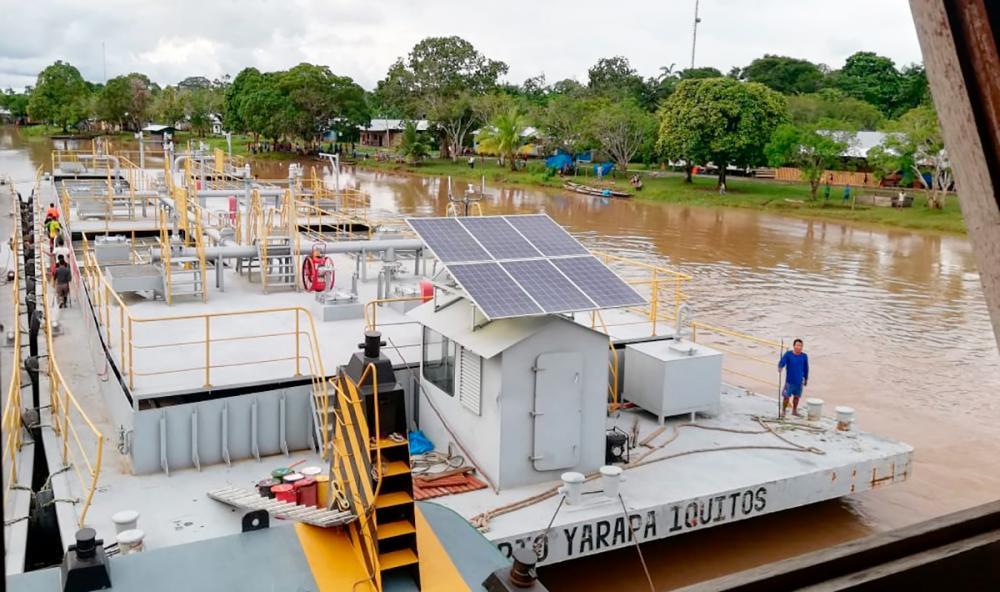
595,191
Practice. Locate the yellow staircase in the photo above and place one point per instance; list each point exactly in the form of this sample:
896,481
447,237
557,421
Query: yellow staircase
374,474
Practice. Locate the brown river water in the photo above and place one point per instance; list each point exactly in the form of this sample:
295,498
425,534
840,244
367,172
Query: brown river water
894,322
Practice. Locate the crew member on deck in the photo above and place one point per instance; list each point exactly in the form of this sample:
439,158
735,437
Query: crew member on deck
796,365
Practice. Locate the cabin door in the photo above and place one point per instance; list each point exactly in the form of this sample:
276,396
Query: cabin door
558,413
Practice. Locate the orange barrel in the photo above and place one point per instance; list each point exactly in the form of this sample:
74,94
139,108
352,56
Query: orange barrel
284,493
264,487
322,490
305,491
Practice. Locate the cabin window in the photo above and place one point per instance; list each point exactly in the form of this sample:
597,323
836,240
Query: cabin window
439,361
469,385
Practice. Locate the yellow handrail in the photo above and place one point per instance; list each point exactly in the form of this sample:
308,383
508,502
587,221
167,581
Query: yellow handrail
131,328
63,405
11,423
371,323
750,342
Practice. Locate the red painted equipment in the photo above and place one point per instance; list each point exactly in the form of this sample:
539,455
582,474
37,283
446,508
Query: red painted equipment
426,290
284,493
305,491
317,271
233,209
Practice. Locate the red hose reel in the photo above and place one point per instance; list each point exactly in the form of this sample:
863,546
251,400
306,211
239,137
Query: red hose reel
317,271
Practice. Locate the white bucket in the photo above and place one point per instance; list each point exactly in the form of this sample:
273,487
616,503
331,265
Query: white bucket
572,486
845,418
814,409
130,541
125,520
611,479
311,471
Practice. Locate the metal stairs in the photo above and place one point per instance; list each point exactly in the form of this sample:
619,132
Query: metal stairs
395,519
183,276
275,264
248,499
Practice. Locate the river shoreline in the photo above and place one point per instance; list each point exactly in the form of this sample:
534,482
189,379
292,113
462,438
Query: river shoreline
776,197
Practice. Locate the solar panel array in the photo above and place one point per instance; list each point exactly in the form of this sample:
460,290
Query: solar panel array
515,266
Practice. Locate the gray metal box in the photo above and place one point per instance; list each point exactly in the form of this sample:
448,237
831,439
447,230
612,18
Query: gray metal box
670,378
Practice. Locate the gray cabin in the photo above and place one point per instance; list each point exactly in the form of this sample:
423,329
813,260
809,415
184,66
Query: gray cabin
526,396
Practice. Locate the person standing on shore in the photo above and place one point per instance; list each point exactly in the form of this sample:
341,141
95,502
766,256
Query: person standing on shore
796,365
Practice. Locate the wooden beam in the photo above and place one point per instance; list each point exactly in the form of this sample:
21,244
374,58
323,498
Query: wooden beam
960,54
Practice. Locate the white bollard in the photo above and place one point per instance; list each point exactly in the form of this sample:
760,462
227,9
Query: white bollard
814,409
845,418
572,487
611,480
130,541
125,520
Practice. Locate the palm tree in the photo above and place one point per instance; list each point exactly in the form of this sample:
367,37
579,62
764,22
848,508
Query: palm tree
413,145
502,136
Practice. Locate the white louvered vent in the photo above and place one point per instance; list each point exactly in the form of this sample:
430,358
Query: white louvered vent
469,386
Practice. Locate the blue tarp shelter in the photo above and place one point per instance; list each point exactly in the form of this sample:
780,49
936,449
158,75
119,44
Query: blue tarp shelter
603,170
559,161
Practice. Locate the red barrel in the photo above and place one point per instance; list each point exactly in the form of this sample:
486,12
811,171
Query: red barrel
284,493
305,491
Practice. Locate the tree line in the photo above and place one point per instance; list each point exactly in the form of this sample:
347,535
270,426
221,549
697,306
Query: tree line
775,110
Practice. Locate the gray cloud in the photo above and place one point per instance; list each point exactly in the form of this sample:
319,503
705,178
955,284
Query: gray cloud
560,38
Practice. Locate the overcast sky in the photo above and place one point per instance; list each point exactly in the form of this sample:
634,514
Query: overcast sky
172,39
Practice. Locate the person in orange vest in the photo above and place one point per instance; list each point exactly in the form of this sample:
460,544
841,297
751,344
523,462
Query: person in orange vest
52,213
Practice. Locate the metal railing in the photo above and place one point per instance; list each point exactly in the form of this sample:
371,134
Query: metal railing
11,423
752,354
371,308
664,287
67,414
132,338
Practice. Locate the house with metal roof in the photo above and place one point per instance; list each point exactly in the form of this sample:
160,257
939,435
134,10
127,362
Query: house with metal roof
387,133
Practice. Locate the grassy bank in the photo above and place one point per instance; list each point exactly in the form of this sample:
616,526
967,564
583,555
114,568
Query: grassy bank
790,199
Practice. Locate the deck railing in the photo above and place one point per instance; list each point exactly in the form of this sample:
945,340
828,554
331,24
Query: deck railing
662,287
747,356
207,342
11,424
82,442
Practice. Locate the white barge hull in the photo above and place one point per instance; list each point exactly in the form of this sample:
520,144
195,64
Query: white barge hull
724,478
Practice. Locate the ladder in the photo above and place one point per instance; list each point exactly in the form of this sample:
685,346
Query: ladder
248,499
276,262
183,276
385,534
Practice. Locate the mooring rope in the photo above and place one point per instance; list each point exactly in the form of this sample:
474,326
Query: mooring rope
482,520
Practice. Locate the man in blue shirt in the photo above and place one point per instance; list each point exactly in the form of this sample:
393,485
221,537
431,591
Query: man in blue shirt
796,365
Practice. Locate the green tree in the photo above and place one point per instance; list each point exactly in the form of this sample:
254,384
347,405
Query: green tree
913,144
621,128
784,74
871,78
317,99
413,145
564,123
721,121
15,103
126,101
199,105
439,78
699,73
811,148
168,106
503,136
615,78
833,104
59,96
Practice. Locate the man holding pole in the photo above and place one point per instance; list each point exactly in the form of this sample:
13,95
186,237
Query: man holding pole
796,365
